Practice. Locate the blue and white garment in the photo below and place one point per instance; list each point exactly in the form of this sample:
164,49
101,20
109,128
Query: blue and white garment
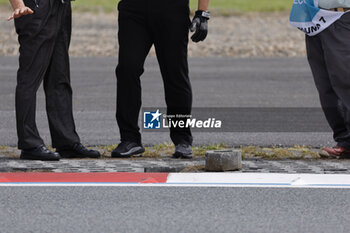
309,18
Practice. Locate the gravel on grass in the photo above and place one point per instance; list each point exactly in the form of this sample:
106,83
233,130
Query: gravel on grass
246,35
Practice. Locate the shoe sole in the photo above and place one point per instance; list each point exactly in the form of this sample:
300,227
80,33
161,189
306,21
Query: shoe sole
133,151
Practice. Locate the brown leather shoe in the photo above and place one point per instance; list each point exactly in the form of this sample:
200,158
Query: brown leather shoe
335,152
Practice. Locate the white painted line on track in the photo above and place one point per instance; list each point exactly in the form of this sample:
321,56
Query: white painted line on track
254,180
262,180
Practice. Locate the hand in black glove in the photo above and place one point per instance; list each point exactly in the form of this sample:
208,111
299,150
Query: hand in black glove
199,25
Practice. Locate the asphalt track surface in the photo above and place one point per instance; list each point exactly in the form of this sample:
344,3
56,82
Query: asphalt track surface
173,209
216,82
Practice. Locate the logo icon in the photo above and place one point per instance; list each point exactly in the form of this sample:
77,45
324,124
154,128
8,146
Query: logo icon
152,120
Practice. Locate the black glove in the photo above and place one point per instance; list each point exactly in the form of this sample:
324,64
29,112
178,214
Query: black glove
199,25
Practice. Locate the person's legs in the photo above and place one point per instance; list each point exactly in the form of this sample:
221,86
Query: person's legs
335,43
170,27
36,35
329,100
58,92
57,86
134,44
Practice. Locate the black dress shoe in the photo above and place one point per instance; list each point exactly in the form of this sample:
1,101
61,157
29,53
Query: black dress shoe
79,151
127,149
40,153
183,151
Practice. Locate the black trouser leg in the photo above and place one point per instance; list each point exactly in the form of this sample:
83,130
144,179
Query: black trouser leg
37,36
328,55
142,23
134,45
58,90
171,29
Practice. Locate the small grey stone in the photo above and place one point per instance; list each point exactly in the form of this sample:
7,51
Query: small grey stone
223,160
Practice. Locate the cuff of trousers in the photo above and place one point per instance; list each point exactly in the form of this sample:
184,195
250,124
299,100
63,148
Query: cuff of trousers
131,140
127,136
